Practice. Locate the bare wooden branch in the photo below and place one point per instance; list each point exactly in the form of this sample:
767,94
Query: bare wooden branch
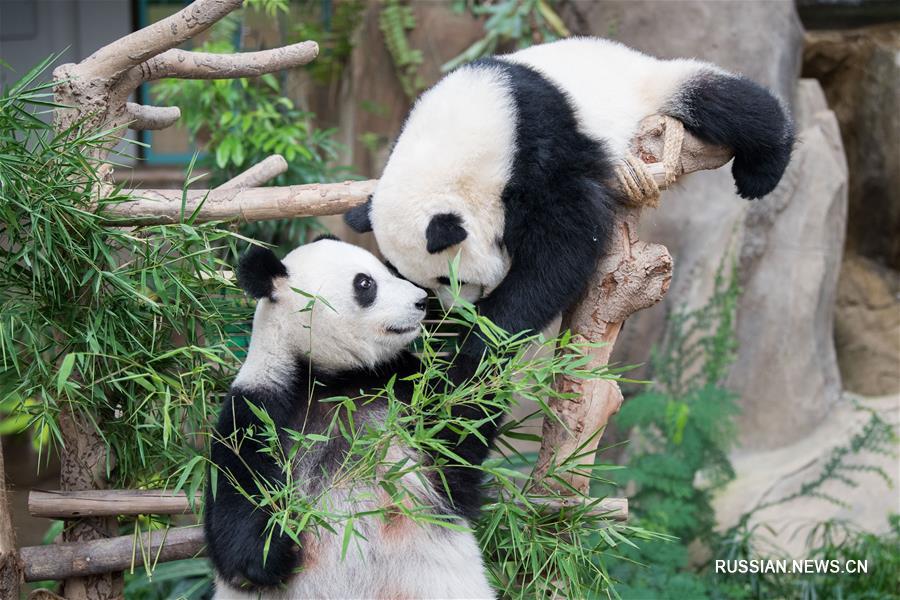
143,117
58,504
10,564
253,204
184,64
93,558
634,275
258,174
110,61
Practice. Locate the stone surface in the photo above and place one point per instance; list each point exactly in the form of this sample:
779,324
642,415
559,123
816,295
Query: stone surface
860,72
762,40
867,327
769,475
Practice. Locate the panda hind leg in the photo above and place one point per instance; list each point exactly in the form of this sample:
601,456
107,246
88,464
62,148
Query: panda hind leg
736,112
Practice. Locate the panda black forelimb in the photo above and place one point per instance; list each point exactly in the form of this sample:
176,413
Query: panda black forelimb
235,527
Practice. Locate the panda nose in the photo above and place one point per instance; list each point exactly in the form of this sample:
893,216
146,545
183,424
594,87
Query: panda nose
420,304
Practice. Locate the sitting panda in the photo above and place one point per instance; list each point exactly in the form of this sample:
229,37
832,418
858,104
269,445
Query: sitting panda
507,162
296,358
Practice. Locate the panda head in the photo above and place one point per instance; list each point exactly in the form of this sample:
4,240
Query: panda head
331,302
421,238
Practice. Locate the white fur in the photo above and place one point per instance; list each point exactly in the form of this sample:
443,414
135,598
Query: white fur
456,150
333,330
454,155
613,87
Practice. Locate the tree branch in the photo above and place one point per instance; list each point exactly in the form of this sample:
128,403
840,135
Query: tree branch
149,207
258,174
110,61
145,117
182,64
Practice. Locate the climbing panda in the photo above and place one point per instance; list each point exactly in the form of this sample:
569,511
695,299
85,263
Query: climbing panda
352,340
507,163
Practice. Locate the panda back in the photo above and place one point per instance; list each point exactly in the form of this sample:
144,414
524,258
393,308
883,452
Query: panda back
612,87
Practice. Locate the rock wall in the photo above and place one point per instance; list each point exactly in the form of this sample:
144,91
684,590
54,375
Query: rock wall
860,72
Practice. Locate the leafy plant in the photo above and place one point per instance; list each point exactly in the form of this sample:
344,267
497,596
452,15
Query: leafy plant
520,22
395,19
125,327
681,428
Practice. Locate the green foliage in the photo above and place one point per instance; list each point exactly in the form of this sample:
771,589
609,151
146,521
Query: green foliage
124,327
395,19
682,428
684,425
520,22
333,31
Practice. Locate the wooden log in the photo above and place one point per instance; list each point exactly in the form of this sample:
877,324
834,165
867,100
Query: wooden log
60,505
57,504
97,557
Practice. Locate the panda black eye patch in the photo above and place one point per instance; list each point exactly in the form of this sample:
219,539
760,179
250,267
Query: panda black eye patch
364,290
446,281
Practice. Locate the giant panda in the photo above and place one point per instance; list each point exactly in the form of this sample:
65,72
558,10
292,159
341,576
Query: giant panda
354,339
507,162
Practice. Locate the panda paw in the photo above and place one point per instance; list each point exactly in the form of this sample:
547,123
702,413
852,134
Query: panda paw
251,572
757,176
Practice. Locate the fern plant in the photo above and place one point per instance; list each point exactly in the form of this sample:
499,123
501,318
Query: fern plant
681,427
395,19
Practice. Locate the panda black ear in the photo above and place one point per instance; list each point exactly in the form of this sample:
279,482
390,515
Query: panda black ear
327,236
444,230
257,271
358,217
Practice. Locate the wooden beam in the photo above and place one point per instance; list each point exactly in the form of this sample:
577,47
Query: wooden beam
65,505
96,557
58,504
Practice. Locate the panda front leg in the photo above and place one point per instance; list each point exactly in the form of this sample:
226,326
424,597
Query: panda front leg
733,111
244,551
554,249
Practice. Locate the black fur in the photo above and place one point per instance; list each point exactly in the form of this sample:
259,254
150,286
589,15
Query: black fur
358,217
256,271
444,230
365,290
559,207
742,115
327,236
235,528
